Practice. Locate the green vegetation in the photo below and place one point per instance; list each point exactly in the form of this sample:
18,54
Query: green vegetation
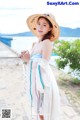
76,81
69,54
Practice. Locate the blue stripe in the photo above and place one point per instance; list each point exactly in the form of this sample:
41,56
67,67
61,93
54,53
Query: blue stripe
40,76
36,56
31,79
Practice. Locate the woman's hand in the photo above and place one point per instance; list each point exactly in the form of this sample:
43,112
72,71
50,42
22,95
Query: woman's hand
25,56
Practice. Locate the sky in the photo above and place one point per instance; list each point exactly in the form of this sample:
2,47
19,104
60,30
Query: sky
13,14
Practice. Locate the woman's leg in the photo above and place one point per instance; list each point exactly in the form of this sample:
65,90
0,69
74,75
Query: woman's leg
40,105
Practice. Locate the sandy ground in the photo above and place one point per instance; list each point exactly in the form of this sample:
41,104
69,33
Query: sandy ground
13,92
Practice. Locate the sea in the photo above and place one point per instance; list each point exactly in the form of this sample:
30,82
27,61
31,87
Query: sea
19,44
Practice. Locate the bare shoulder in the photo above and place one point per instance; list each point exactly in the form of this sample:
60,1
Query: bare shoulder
47,43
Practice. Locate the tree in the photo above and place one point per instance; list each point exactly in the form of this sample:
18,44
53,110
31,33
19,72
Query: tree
69,54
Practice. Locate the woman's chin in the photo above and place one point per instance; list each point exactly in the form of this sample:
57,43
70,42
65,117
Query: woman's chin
40,35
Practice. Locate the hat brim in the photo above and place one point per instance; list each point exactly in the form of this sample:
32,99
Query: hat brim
32,23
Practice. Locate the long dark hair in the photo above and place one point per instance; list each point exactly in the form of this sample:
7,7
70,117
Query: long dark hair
49,34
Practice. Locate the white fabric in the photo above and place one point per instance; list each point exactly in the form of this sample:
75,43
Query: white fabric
50,108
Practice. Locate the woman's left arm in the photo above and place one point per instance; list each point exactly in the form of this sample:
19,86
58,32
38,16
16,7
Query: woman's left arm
46,49
25,56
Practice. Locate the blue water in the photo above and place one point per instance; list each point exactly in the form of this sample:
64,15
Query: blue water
54,54
25,43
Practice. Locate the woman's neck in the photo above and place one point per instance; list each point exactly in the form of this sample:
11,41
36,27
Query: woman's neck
40,39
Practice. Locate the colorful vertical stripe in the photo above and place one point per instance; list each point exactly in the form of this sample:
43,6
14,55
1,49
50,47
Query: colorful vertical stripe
31,80
41,80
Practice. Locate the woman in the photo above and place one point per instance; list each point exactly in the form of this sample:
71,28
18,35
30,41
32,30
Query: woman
42,89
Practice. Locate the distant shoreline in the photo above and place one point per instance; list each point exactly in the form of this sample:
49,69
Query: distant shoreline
64,32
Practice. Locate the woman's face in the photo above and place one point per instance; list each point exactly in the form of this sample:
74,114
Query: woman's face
42,27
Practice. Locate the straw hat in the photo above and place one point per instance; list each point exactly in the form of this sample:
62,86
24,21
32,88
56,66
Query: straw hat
32,23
